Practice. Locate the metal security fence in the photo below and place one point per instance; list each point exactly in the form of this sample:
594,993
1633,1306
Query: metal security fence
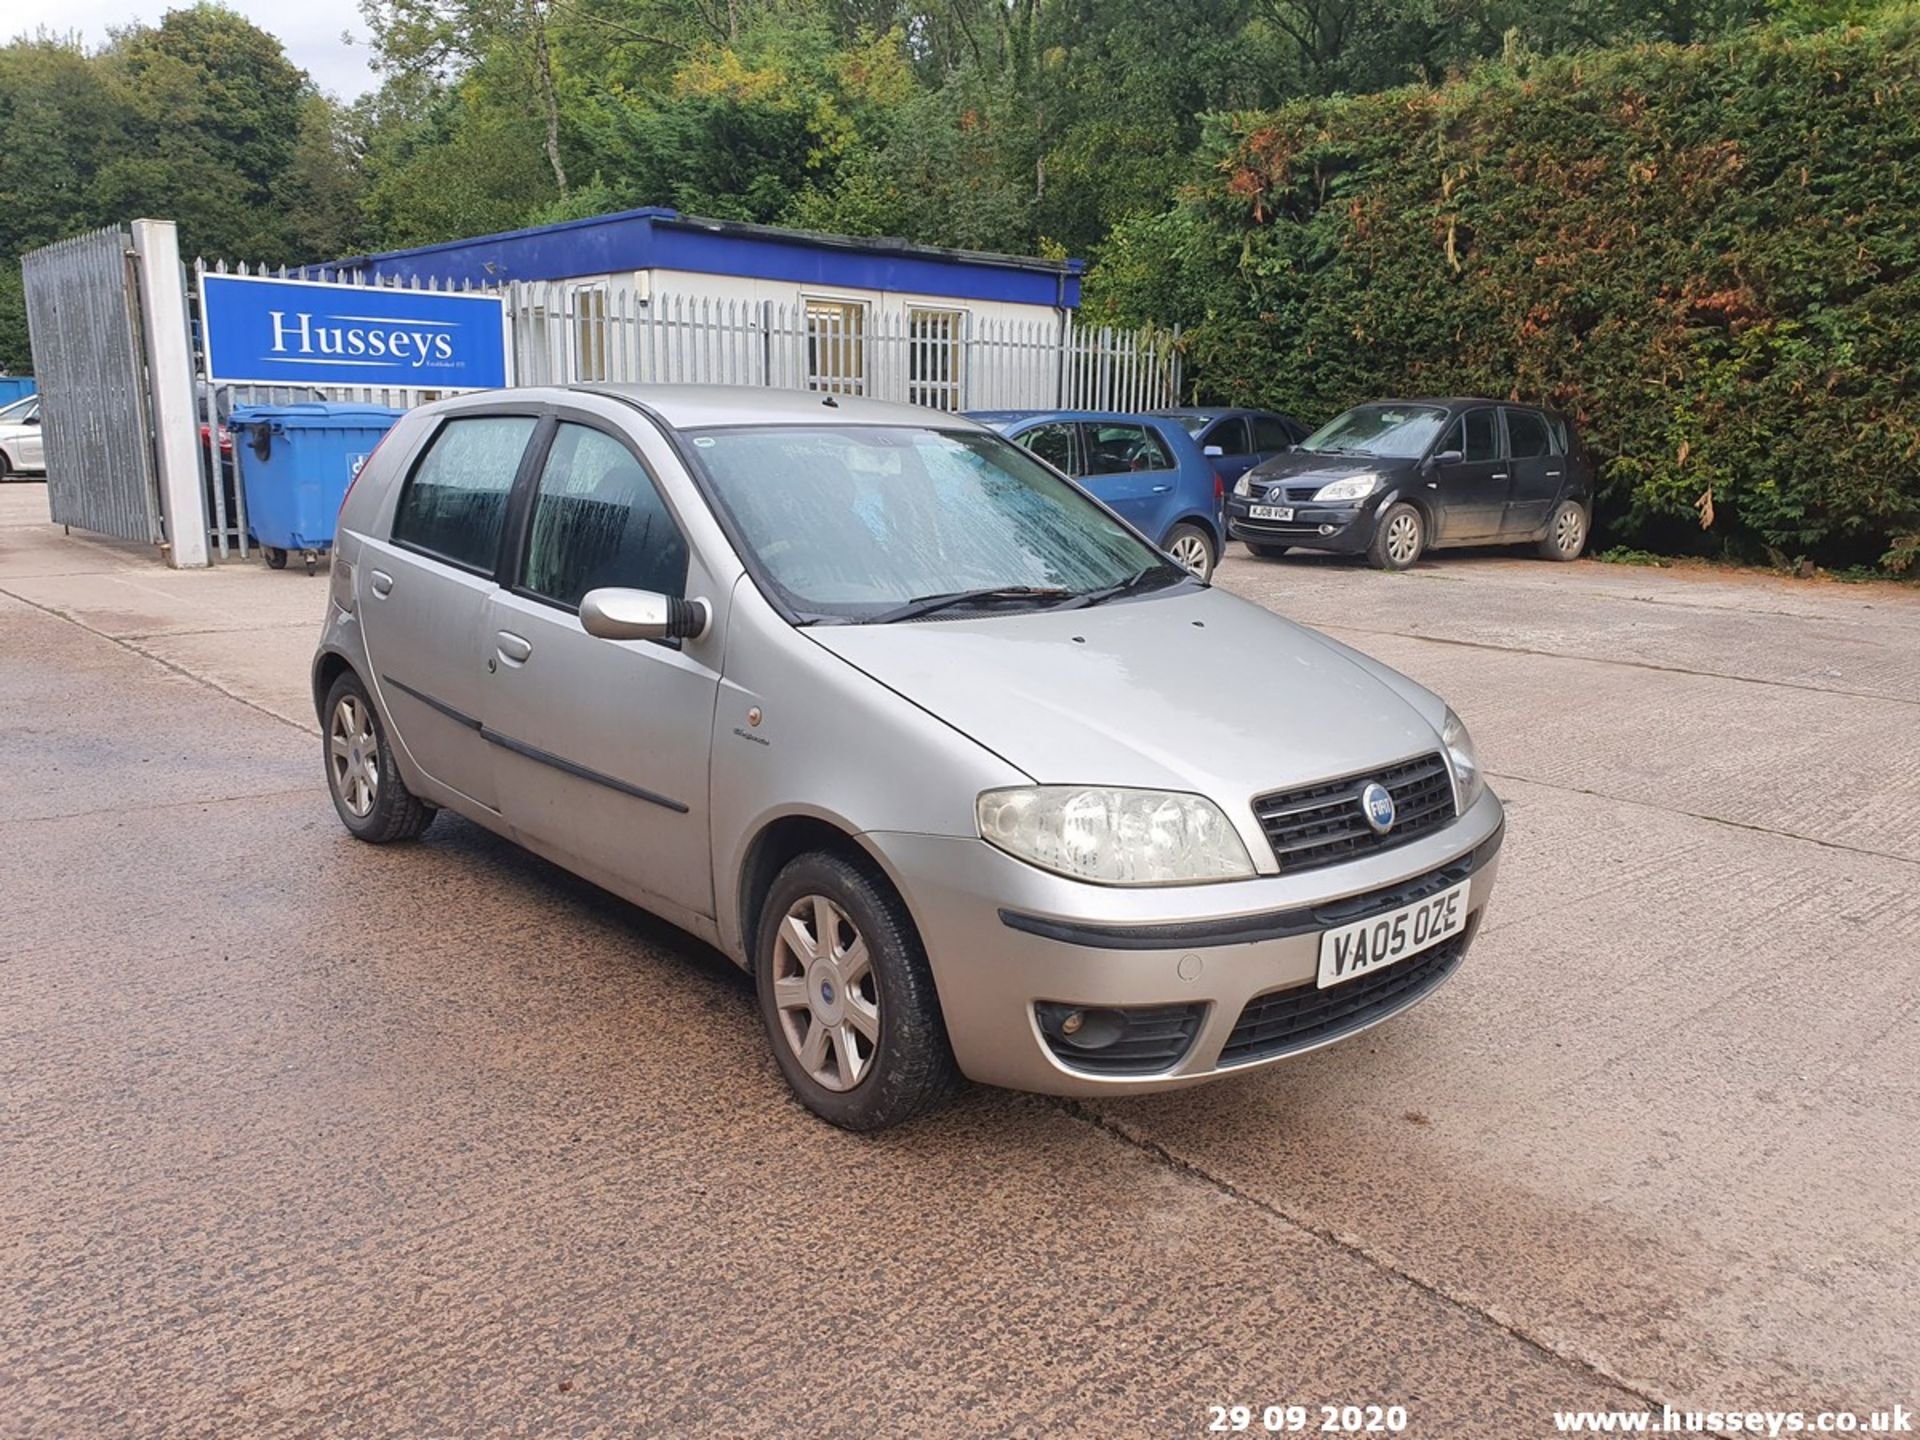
945,358
83,318
574,332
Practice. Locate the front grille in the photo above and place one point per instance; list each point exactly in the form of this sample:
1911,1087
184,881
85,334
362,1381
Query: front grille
1303,1015
1321,824
1151,1038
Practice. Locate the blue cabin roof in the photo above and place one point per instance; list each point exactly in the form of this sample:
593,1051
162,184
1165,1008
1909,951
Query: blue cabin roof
658,238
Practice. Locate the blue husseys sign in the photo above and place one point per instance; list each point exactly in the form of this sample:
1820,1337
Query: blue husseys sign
301,332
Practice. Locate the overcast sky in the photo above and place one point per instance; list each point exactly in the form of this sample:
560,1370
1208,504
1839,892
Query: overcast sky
310,29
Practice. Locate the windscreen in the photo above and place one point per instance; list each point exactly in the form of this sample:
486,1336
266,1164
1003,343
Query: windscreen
1396,432
850,522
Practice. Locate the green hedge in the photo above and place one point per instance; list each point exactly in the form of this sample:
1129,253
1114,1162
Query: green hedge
1709,254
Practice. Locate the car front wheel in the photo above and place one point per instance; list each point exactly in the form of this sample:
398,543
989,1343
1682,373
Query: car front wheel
1193,548
372,800
1566,533
847,997
1398,538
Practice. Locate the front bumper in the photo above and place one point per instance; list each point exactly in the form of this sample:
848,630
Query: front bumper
1009,943
1345,529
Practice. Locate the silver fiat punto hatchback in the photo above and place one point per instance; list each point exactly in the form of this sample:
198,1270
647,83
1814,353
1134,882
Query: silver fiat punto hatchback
970,777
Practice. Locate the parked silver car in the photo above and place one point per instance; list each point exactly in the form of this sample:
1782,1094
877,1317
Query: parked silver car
970,777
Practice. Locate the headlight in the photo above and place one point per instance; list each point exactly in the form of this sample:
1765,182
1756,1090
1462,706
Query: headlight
1468,783
1115,837
1243,487
1354,487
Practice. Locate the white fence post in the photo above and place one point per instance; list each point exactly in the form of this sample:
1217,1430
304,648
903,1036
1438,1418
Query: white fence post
163,323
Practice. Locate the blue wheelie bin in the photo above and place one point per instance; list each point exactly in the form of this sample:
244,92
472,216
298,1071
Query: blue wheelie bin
296,462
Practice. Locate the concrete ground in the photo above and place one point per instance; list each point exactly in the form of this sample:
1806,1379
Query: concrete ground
301,1137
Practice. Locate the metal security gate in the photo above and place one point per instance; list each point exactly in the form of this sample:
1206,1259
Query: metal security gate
83,313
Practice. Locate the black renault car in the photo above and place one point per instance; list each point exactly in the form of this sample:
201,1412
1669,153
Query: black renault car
1395,478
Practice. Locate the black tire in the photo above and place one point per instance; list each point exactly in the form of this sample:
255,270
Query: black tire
276,557
1399,537
1266,552
910,1069
395,812
1566,533
1186,540
6,469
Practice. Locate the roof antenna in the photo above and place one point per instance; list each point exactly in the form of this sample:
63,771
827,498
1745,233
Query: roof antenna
831,401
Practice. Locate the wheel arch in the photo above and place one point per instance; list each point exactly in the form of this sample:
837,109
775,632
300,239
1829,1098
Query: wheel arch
329,666
782,838
1202,521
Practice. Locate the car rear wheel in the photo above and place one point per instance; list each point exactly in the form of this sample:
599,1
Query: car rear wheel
1267,552
372,800
847,997
6,469
1398,538
1193,548
1566,533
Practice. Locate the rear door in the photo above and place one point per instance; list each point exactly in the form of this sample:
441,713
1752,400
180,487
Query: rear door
1129,466
601,746
424,592
1472,490
1538,473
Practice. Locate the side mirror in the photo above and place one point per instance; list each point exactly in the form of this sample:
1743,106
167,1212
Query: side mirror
1213,452
1447,457
617,614
34,419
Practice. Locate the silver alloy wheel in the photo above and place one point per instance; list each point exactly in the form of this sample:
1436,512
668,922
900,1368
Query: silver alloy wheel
1569,529
1403,538
354,755
826,992
1191,552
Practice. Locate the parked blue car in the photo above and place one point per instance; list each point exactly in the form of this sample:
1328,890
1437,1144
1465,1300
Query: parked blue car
1237,440
1145,467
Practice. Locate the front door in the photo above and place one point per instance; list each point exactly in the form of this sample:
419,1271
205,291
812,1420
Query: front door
1130,468
1237,454
1538,473
423,594
601,746
1472,490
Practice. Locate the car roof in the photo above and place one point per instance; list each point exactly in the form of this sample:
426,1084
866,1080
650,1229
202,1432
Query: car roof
1217,412
694,407
1017,417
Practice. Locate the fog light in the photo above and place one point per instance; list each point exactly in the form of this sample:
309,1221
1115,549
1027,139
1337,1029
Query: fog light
1326,529
1070,1024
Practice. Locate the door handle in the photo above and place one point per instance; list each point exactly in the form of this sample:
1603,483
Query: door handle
1501,476
380,583
1553,474
1161,489
514,649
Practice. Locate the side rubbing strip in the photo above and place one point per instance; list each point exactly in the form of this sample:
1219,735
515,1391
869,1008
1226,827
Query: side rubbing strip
568,767
459,717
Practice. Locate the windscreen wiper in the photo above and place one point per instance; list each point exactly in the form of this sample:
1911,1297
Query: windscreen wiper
928,604
1132,585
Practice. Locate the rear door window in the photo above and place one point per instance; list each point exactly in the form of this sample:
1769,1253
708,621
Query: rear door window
1527,435
454,506
598,520
1056,445
1119,449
